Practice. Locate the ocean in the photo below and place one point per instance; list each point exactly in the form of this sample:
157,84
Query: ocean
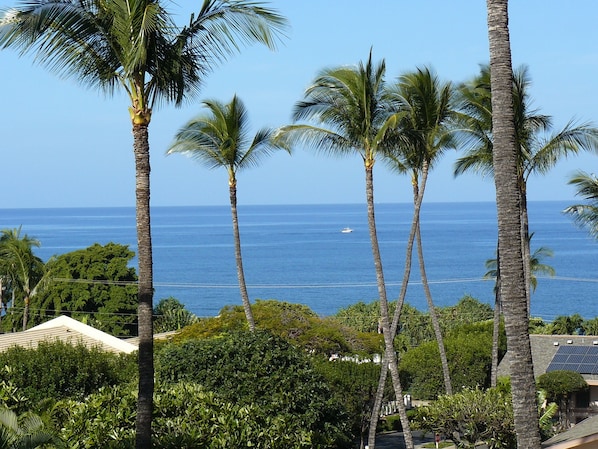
298,254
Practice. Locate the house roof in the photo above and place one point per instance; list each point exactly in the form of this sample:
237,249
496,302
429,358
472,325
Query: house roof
65,329
544,348
582,435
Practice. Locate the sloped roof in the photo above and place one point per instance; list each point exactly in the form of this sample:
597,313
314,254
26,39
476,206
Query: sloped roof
544,348
69,330
582,435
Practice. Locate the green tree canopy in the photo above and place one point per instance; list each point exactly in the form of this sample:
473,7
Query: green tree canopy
258,369
95,285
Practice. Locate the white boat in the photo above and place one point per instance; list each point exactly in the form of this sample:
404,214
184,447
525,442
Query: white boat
346,230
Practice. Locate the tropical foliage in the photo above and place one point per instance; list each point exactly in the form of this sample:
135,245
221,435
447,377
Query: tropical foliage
69,371
470,417
22,275
95,285
138,47
220,138
269,374
585,214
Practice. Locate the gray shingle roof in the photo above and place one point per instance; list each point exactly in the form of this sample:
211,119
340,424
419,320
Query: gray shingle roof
584,434
544,347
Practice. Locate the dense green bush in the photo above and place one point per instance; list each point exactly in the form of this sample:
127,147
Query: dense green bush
354,385
261,370
60,370
470,417
295,323
468,350
186,416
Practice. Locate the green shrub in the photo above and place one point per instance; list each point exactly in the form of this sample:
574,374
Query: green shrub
261,370
186,416
60,370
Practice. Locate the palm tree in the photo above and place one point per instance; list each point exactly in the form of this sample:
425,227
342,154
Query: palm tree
25,432
219,139
585,215
536,266
511,262
538,151
137,46
25,271
352,115
426,112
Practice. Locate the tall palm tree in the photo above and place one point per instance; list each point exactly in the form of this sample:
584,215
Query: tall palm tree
538,150
25,271
508,202
426,115
220,139
137,46
492,265
536,266
352,115
586,214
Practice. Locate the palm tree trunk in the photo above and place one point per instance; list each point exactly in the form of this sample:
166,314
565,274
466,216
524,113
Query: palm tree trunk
389,352
418,196
143,429
525,240
25,312
239,259
496,324
511,261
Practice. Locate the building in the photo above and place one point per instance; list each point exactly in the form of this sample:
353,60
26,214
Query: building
577,353
68,330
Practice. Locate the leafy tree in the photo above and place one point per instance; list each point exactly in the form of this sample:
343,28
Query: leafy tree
469,358
566,325
24,272
590,327
558,386
471,416
219,139
170,315
258,369
354,385
510,240
468,310
138,46
585,214
94,285
296,323
347,113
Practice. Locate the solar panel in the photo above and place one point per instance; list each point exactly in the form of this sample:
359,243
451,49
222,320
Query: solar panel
581,359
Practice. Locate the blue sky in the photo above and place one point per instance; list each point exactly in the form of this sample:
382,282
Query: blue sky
64,145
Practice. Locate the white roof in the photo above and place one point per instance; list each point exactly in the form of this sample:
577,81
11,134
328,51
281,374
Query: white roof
66,329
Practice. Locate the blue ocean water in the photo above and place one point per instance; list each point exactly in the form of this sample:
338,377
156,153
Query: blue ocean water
296,253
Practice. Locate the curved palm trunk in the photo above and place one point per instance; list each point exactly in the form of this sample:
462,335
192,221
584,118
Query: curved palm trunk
143,428
239,259
496,324
511,261
418,197
389,352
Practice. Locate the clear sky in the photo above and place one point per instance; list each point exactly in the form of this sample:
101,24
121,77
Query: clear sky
64,145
